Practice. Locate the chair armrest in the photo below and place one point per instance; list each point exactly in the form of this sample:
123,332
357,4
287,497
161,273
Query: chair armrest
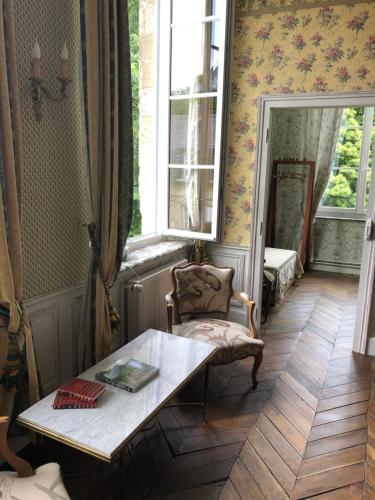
243,297
169,300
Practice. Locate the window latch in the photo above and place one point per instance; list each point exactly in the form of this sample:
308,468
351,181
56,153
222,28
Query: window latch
369,230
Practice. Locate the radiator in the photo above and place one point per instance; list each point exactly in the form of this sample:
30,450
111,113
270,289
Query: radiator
146,300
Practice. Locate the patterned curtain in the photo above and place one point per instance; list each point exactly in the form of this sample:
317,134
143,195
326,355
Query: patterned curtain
109,158
329,131
309,134
17,359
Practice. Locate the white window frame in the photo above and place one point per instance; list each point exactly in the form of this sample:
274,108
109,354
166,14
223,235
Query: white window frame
153,236
163,122
359,212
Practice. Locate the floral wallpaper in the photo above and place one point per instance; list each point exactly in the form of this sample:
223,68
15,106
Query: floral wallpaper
278,51
338,241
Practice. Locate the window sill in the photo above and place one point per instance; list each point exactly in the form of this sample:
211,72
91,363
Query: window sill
150,257
139,242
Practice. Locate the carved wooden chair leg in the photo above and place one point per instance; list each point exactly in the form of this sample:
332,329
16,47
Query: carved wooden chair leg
257,363
22,467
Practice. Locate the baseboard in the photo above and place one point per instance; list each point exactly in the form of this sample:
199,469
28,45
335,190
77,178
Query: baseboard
335,268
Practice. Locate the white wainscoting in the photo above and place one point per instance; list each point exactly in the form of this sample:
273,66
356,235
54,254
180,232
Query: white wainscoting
55,320
238,258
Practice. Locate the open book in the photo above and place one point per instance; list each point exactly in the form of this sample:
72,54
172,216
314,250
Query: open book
130,376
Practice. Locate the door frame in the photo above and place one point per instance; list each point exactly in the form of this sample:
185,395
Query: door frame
261,187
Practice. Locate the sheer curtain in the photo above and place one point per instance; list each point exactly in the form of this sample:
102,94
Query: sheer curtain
192,177
109,159
15,330
198,131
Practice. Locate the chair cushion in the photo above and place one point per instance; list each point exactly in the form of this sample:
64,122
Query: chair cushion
231,339
203,288
45,484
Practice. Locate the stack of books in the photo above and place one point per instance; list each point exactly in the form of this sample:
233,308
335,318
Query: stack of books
77,393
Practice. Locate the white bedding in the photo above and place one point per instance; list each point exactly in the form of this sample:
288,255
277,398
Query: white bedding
285,265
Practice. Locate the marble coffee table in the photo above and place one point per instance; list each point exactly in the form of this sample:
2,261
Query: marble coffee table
104,431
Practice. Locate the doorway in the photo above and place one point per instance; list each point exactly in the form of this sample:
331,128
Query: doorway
334,113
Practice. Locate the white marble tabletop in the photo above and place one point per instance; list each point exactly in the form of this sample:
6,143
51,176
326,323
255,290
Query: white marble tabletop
105,430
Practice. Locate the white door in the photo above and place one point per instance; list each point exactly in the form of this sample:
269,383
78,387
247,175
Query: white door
366,294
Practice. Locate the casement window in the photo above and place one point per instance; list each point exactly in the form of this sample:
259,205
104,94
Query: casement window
191,135
347,191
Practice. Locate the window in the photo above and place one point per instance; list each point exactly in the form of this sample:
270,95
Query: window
348,187
133,12
192,85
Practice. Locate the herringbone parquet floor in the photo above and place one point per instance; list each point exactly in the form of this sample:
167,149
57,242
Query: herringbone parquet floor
310,437
302,433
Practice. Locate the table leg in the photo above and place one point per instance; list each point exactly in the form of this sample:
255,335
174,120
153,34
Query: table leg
205,397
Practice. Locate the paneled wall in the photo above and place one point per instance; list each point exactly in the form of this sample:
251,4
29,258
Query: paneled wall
55,317
238,258
338,241
55,322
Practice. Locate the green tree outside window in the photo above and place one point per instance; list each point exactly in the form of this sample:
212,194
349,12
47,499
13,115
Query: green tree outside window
133,10
341,190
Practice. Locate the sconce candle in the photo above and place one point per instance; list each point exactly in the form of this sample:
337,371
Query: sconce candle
37,90
64,67
35,61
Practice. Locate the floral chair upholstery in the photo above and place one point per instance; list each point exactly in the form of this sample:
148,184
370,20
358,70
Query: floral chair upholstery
26,484
202,292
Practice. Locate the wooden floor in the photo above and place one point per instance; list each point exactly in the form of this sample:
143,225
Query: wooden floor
302,433
310,439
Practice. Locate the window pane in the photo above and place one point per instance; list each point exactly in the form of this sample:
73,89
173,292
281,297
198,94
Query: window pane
192,131
195,58
136,228
187,10
190,199
341,190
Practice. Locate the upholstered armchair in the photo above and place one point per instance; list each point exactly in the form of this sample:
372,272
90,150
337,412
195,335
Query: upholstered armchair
200,304
26,484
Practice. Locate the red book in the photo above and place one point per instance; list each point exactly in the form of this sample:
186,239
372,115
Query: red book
63,401
86,390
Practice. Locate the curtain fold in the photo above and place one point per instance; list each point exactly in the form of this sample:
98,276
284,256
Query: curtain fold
15,331
328,134
311,135
107,113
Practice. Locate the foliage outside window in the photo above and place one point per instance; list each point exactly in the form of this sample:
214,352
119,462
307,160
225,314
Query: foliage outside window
349,183
133,9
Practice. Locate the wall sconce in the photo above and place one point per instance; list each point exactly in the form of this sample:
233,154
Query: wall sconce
37,89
